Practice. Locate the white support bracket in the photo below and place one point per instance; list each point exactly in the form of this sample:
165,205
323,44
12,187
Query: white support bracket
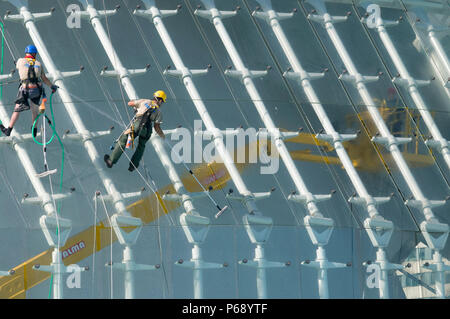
436,267
185,72
41,201
131,195
358,78
261,263
155,13
198,264
61,269
319,229
7,273
246,73
55,76
83,137
33,16
258,228
435,234
268,16
391,140
410,82
422,204
276,133
56,229
16,139
321,19
303,75
384,265
99,14
382,22
120,223
127,73
181,198
214,13
379,231
437,145
305,199
5,77
336,137
195,227
131,266
323,264
255,196
363,201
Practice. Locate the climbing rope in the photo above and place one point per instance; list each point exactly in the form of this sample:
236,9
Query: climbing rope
44,145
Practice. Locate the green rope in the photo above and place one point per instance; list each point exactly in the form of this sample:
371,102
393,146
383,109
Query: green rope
58,208
1,66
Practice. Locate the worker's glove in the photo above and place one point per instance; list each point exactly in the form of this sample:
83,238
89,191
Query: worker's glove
54,88
41,110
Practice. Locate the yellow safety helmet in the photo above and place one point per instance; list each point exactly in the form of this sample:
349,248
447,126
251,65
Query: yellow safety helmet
160,94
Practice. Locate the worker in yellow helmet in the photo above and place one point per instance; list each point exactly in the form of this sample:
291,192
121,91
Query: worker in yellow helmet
147,113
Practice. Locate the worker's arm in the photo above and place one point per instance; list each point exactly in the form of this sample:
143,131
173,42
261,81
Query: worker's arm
133,103
158,130
45,79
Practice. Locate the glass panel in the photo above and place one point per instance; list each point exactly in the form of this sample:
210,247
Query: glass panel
229,242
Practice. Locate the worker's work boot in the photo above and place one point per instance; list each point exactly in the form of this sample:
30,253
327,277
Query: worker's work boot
6,131
108,161
131,167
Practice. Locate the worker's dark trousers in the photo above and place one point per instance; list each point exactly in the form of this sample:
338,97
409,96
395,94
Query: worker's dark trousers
144,135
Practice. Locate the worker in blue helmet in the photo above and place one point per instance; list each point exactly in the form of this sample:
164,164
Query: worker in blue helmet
30,89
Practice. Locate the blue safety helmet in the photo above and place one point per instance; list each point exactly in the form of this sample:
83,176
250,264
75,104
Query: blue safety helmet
31,49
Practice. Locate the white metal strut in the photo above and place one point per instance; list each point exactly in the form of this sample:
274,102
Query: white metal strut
430,225
314,220
83,135
254,220
405,80
375,223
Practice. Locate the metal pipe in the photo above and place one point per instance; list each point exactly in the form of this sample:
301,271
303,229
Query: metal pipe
413,91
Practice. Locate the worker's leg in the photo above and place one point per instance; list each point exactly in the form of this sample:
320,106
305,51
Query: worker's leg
119,148
144,136
15,116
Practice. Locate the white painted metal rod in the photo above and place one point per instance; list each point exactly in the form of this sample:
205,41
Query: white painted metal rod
155,15
215,17
70,108
318,108
414,92
392,146
22,154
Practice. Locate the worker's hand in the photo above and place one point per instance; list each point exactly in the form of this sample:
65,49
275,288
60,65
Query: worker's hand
41,110
54,88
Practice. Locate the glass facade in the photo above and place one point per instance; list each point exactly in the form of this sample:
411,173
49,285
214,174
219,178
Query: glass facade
348,195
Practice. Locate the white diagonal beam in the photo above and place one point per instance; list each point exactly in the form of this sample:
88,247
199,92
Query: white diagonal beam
304,79
28,19
304,196
389,141
247,197
412,85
